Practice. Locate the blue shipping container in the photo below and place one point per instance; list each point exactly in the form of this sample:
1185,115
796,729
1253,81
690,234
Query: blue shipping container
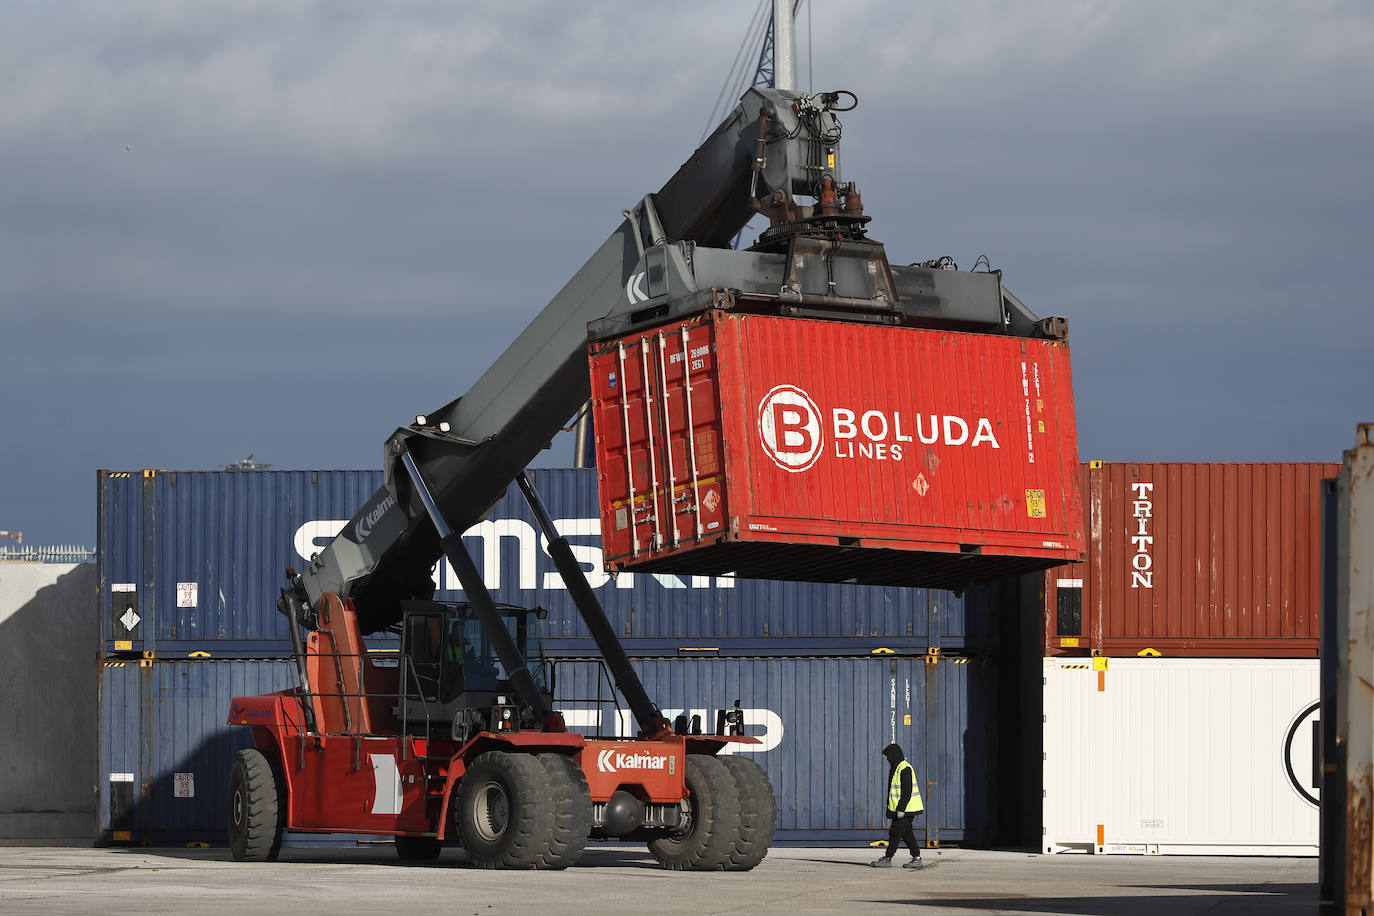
194,558
165,750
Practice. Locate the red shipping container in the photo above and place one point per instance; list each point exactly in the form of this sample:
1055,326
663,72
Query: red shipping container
786,448
1193,559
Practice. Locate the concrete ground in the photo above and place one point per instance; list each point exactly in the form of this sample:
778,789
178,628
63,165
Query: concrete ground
624,880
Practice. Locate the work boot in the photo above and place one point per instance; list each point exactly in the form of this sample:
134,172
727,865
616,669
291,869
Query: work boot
914,863
882,862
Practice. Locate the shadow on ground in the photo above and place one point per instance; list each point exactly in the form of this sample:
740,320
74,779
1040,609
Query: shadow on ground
384,854
1219,900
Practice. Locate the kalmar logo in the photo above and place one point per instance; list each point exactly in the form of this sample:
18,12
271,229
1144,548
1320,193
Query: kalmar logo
790,428
611,760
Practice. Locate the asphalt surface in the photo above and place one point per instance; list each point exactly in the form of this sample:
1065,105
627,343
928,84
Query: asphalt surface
625,880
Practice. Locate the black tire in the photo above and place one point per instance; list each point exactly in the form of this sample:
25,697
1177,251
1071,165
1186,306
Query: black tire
706,838
758,813
504,811
572,810
418,848
257,808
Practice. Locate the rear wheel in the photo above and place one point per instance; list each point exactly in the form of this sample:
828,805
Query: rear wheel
758,813
710,827
418,848
504,811
257,808
572,810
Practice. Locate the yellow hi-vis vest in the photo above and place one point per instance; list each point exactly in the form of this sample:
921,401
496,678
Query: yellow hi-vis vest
894,792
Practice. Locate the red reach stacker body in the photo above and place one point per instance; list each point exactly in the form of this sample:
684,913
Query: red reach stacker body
373,763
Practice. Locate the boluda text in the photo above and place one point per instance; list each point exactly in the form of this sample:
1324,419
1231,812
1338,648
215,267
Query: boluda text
882,436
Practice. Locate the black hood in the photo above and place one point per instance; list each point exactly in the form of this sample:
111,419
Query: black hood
893,753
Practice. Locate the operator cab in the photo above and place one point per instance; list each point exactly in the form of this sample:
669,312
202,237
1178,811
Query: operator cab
450,676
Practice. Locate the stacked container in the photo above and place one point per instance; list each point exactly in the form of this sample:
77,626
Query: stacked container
191,563
1181,674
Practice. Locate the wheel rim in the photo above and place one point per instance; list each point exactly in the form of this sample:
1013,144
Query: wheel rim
687,826
491,811
238,807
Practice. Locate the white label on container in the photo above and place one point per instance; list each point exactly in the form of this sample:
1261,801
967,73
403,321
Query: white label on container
121,777
123,587
187,592
1152,823
183,785
1068,583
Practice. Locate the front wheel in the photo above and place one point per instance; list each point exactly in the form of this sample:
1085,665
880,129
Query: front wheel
257,808
758,813
504,811
706,837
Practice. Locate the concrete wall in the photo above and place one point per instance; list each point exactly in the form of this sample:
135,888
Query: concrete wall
49,639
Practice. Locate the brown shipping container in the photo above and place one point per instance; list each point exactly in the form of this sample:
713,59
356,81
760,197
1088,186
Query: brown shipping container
1193,559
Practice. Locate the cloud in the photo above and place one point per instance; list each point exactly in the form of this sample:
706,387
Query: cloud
315,187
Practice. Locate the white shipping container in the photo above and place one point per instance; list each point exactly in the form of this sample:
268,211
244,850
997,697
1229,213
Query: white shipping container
1181,756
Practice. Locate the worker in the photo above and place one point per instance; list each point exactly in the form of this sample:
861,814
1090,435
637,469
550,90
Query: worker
903,804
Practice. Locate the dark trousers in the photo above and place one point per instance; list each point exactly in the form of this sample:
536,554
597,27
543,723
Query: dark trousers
901,831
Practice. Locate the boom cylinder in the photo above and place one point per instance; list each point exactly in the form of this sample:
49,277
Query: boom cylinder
650,719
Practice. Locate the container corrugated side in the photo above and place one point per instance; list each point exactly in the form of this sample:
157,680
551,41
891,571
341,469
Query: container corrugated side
194,560
828,451
823,723
165,750
1181,756
192,557
1193,559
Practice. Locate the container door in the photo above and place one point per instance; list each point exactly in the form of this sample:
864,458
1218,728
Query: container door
123,814
660,439
120,552
958,740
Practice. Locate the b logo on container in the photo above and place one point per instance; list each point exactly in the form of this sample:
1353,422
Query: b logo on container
789,425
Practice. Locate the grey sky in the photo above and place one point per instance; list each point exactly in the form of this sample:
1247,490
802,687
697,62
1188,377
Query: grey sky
334,214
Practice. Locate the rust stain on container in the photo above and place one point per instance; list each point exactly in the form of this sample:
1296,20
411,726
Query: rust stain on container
820,428
1359,845
1194,559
